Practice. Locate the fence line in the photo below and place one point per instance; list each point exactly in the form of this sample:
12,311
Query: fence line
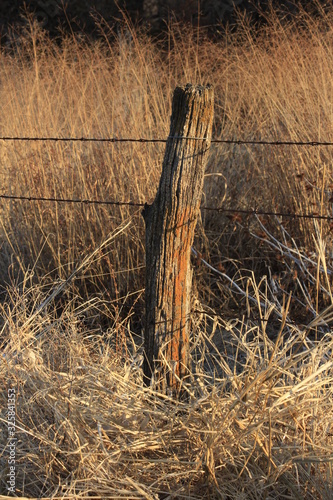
159,140
253,211
82,139
166,348
70,200
237,211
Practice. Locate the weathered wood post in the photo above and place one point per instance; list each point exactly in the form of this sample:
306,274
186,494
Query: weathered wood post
170,223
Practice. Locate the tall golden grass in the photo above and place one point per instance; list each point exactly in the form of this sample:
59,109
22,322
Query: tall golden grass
258,422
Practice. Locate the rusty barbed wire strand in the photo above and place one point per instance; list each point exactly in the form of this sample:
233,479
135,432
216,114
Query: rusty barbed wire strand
160,140
70,200
81,139
252,211
272,143
255,211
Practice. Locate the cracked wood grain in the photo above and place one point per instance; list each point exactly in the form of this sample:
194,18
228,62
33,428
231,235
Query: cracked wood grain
170,224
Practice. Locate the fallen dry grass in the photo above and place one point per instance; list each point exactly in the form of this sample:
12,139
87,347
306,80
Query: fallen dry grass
257,422
258,419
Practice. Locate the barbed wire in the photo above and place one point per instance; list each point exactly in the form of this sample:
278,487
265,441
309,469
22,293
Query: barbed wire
83,139
160,140
272,143
71,200
255,211
252,211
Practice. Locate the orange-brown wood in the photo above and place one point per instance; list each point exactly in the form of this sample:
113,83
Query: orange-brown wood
170,224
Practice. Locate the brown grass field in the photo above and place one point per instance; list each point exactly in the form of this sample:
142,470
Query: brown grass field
258,420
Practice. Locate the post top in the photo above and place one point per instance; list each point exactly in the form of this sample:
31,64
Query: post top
194,89
197,86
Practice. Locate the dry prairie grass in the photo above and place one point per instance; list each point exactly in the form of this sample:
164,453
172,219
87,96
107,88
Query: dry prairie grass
258,421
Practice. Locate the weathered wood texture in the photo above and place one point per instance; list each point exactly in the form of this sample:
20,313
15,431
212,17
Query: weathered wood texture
170,224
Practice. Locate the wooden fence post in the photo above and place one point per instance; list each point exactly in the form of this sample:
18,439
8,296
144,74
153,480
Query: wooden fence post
170,224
